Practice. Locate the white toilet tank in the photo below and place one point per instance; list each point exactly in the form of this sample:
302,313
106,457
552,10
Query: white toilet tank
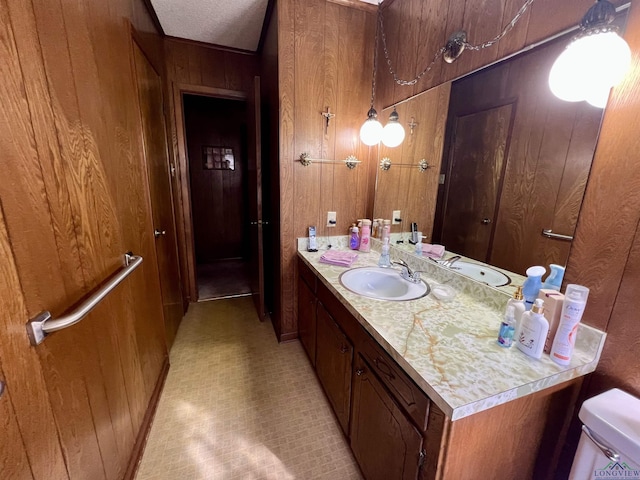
609,446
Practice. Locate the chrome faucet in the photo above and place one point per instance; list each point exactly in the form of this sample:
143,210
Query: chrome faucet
406,272
450,261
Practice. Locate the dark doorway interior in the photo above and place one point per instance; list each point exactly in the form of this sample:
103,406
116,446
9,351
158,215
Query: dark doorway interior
216,131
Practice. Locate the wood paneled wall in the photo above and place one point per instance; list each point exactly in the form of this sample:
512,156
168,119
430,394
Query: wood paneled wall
271,166
548,156
220,208
416,29
188,65
74,198
325,60
406,188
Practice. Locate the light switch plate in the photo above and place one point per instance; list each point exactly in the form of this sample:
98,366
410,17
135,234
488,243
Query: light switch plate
396,219
331,219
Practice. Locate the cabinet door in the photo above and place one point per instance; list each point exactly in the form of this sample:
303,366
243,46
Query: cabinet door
384,441
307,319
334,358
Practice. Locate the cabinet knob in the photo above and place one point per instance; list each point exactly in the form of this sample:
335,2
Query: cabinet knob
158,233
486,221
359,371
344,349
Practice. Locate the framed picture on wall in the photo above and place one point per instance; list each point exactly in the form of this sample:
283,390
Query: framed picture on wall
217,158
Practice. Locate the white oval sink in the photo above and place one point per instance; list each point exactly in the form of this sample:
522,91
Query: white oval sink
382,283
481,273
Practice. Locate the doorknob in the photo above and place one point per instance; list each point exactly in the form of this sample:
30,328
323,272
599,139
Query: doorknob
486,221
157,233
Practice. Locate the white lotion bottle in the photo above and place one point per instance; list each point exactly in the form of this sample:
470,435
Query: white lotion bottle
533,330
575,299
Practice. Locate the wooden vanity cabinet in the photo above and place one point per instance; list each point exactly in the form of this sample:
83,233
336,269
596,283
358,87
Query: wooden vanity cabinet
307,318
397,432
384,441
334,360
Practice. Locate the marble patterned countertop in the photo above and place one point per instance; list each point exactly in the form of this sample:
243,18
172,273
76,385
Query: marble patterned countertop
449,348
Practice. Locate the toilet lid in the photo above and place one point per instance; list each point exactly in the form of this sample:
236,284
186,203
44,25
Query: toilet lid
615,417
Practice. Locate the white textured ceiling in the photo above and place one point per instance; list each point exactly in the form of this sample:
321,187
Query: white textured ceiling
230,23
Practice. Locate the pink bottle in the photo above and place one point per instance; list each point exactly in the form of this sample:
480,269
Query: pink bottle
365,236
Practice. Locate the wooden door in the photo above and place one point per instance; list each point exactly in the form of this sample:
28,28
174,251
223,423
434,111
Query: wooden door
255,198
149,86
334,358
307,319
476,168
385,443
73,199
14,463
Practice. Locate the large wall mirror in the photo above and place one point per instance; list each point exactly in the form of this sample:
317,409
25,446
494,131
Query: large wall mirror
507,159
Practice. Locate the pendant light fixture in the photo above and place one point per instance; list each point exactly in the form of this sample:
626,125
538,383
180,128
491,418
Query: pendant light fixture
393,132
371,130
596,59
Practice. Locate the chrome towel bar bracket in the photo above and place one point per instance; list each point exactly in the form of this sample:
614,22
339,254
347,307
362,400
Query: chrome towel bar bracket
43,324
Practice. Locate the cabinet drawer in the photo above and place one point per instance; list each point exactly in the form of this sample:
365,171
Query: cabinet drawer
307,275
405,391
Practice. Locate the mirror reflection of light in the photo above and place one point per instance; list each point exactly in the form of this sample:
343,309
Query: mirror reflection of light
393,134
589,67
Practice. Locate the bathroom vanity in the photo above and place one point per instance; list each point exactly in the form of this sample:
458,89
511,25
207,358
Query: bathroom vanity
422,390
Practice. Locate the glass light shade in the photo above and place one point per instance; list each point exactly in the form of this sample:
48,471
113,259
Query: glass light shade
393,134
371,131
599,98
590,66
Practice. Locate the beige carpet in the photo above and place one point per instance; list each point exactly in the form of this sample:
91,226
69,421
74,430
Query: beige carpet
236,405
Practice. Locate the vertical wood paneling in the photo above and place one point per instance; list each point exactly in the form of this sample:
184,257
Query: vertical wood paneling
406,188
75,131
610,210
24,375
321,64
13,456
286,82
482,19
433,12
196,65
220,208
351,187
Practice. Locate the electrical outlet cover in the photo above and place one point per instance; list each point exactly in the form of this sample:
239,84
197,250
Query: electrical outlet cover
395,217
331,219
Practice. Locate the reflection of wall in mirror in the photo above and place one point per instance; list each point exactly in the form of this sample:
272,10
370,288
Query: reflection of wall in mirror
404,187
536,169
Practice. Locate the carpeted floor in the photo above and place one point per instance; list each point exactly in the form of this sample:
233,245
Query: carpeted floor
222,279
237,405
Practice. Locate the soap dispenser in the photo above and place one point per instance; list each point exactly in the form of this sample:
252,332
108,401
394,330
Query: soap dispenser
532,285
533,330
354,241
385,259
554,280
517,302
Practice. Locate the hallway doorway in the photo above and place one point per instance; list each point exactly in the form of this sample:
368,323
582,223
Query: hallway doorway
217,150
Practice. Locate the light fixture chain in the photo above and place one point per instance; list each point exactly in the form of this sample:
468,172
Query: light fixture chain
506,30
441,51
375,62
388,58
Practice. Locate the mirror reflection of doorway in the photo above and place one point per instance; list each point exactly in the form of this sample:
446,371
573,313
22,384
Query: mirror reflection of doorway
216,134
515,163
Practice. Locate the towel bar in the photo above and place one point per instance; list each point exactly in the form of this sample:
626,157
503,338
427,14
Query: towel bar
43,324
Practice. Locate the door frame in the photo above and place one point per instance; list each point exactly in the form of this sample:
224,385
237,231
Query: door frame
185,228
